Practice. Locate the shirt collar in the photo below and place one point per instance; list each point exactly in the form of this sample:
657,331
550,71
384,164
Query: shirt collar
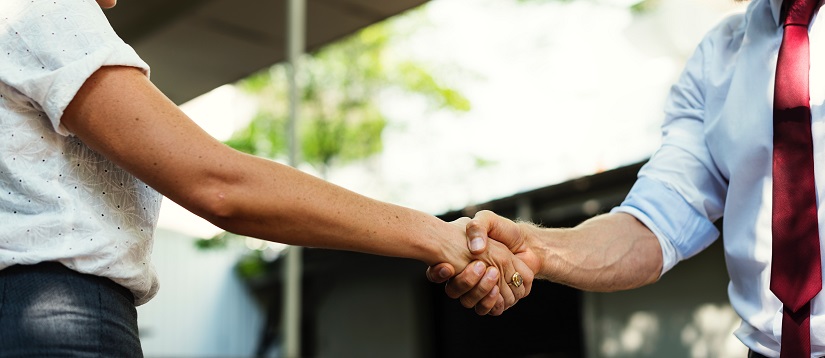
776,10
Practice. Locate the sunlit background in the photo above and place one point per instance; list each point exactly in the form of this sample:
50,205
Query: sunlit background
557,89
503,97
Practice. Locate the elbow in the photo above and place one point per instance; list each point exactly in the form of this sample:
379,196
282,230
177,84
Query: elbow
214,201
217,208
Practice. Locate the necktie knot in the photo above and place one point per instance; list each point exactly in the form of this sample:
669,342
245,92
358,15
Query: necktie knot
798,12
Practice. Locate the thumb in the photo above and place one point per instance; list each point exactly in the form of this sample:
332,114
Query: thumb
478,229
487,224
477,236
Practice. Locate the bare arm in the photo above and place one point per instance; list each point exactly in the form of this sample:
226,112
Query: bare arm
610,252
119,113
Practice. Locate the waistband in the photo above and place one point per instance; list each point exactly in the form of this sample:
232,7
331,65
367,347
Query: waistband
56,268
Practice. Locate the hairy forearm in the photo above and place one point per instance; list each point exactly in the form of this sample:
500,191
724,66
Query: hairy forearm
610,252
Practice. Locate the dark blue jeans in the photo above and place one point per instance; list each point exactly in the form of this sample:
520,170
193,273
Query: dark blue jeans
47,310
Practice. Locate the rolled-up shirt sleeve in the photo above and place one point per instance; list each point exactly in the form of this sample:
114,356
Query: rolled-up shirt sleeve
50,48
680,191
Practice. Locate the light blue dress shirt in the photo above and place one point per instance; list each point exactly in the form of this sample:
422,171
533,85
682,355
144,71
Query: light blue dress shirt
715,161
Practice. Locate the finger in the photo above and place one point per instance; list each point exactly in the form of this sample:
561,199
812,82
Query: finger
477,235
523,289
466,280
487,224
507,292
489,301
498,309
477,293
527,277
518,292
440,273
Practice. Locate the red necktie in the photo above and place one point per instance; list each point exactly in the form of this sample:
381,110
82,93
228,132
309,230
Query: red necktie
796,274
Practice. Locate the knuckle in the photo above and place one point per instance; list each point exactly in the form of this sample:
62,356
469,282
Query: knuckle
485,306
473,225
522,292
488,283
465,301
528,277
509,301
451,291
465,281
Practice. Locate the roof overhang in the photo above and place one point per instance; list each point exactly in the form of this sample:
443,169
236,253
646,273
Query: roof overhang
194,46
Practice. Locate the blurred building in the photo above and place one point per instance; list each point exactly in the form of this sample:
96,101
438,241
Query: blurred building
365,306
359,305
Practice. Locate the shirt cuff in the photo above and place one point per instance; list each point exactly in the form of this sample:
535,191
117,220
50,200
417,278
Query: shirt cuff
66,81
681,230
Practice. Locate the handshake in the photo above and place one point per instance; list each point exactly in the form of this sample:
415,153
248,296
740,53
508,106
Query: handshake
606,253
497,273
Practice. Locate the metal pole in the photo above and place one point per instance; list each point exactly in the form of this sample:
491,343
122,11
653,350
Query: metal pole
291,317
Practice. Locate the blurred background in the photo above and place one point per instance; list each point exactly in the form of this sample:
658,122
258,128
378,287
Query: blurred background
541,110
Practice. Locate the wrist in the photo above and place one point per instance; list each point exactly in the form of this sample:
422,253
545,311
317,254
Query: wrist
538,241
447,243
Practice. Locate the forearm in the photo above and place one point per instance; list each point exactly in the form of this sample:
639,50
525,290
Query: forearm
277,203
610,252
120,114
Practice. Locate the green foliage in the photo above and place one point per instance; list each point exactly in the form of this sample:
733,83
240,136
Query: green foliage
484,163
251,265
339,117
340,120
416,79
219,241
644,6
261,137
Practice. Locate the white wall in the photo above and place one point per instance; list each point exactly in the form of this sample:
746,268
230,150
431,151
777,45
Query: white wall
685,314
202,309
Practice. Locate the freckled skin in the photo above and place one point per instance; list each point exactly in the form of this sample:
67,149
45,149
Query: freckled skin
256,197
421,236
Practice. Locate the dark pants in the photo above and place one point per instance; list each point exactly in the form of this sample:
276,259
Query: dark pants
47,310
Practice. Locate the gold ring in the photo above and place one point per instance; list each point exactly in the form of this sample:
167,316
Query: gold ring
516,280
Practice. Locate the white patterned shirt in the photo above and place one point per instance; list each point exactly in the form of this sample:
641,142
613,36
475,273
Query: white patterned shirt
59,200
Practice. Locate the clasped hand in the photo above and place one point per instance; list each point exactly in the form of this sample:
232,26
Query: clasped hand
486,283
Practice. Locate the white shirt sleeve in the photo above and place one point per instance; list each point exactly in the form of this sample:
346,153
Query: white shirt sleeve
680,191
49,48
